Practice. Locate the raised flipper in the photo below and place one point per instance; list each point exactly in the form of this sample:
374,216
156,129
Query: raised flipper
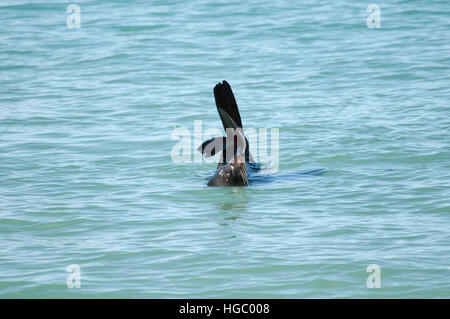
235,137
237,145
212,146
225,100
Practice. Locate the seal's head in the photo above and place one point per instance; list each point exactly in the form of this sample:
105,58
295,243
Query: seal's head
231,174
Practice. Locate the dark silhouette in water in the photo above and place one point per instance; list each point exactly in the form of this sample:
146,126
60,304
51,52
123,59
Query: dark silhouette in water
269,178
235,162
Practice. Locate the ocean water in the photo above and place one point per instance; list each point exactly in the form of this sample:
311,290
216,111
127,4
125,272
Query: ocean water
87,178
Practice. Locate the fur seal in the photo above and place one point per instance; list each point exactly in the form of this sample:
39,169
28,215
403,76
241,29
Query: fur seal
235,162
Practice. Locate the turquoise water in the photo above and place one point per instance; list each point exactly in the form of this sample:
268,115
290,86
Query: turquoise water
86,175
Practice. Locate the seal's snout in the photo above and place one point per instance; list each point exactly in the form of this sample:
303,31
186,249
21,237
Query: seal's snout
230,175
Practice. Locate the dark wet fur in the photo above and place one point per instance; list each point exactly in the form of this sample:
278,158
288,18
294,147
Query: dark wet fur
234,173
230,175
240,170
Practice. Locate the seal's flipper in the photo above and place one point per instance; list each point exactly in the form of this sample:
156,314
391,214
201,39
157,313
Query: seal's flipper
225,100
212,146
235,137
